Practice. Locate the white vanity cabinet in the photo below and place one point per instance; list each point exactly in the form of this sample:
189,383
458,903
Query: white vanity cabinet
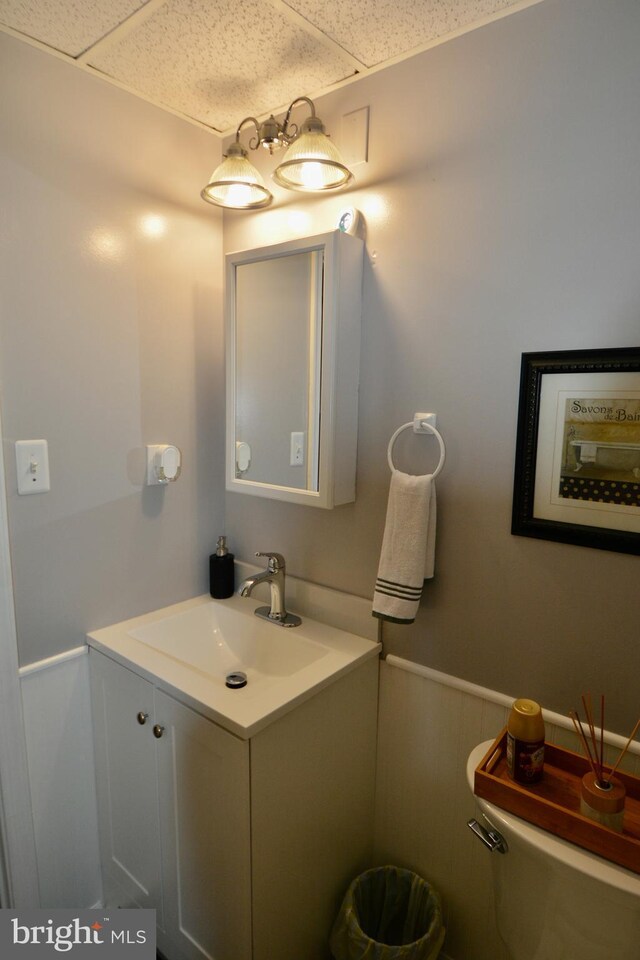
174,818
244,846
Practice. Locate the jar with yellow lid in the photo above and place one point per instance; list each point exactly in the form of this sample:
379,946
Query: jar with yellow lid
525,742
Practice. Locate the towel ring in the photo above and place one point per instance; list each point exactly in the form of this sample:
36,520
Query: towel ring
425,426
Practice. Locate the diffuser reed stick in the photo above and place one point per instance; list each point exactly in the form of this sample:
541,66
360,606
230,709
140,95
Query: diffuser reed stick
624,750
585,743
595,750
601,731
588,709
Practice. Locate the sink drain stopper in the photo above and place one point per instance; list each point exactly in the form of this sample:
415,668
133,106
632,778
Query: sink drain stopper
236,680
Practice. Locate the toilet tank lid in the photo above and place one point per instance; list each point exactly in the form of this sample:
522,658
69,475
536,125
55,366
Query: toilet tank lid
567,853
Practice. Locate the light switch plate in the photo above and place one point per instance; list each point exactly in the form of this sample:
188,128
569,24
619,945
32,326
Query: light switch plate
354,141
32,466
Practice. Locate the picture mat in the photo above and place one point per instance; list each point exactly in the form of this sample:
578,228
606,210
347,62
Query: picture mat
555,390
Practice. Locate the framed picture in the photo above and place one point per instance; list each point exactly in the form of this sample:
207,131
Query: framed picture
577,471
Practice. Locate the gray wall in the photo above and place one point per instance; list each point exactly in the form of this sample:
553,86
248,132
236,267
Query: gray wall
110,339
502,200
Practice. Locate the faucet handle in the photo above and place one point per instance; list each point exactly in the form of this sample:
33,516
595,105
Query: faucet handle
276,561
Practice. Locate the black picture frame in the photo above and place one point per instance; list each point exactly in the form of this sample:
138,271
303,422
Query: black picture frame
551,385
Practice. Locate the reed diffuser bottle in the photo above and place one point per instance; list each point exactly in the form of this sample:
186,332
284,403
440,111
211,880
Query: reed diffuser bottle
602,794
602,800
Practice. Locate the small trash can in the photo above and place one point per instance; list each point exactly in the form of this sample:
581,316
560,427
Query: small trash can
388,913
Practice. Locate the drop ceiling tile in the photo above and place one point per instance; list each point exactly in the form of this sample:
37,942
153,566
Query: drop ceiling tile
221,60
377,30
67,25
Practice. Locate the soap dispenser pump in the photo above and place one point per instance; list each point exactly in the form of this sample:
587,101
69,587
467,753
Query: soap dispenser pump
221,572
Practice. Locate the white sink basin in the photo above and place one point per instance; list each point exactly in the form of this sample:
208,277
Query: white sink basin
218,639
189,649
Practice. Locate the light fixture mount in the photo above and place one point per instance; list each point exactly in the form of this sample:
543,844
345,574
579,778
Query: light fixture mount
270,135
311,164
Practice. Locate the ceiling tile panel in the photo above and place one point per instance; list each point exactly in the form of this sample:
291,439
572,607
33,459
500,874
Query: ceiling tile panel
67,25
221,60
377,30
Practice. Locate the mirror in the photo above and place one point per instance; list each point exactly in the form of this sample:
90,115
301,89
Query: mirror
278,350
293,348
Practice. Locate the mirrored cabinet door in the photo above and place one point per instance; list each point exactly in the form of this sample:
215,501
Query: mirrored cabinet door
278,351
293,347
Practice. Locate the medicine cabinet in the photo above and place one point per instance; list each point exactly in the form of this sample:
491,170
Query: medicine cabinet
292,356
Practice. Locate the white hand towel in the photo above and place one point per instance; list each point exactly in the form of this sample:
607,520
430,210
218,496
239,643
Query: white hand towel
407,557
588,452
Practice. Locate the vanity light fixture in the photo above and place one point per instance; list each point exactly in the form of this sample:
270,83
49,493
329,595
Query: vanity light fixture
311,163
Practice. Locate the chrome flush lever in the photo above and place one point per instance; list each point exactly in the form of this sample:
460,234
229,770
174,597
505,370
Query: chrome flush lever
493,840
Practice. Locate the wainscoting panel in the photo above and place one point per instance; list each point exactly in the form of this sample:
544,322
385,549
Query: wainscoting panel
426,732
428,725
57,718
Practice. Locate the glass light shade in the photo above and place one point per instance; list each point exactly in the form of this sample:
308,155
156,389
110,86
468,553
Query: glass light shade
312,163
236,184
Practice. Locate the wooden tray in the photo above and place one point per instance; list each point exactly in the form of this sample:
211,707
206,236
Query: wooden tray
554,802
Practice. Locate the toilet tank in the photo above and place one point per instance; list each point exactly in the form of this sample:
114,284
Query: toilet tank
554,900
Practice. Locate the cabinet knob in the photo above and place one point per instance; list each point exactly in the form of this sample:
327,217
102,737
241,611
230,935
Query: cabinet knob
142,718
157,731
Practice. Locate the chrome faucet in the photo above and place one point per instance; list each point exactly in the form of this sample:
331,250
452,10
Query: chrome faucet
274,576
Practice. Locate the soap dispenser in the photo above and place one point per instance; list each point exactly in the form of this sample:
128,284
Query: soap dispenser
221,572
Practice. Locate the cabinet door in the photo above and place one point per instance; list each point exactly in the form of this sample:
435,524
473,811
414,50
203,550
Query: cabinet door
126,778
203,775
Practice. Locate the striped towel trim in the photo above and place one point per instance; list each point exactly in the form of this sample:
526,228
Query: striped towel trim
385,616
401,590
